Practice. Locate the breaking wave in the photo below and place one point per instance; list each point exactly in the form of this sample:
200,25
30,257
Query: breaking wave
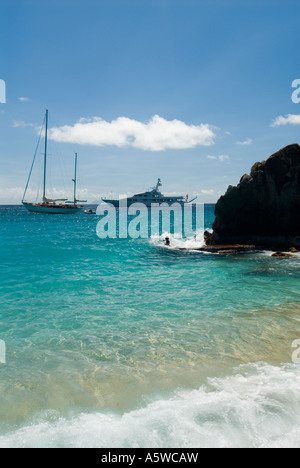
257,406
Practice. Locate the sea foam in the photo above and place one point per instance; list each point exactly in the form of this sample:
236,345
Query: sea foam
178,242
257,406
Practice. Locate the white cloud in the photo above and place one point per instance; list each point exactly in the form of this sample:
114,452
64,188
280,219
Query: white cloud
288,119
207,192
11,195
21,123
156,135
248,141
24,99
14,195
221,158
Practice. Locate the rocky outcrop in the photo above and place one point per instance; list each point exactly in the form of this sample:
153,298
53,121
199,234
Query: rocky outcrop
264,209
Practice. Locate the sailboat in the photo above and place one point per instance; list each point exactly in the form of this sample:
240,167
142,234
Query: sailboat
49,205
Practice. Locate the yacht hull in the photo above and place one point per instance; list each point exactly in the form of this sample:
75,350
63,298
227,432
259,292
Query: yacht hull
39,208
148,204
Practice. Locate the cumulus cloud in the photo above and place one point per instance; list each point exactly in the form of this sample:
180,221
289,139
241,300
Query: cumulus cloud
24,99
248,141
221,158
286,120
157,134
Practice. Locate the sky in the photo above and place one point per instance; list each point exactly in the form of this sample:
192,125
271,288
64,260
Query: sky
190,91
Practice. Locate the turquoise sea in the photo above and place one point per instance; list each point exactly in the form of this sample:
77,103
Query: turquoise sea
128,343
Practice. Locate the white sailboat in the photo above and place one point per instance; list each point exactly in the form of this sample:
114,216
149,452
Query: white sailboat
48,205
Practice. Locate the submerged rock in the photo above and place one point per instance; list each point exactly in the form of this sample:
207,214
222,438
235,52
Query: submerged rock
264,209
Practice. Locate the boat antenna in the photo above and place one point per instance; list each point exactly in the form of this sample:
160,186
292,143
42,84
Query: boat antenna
45,156
159,184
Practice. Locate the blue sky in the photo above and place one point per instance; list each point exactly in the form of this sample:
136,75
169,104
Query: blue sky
216,74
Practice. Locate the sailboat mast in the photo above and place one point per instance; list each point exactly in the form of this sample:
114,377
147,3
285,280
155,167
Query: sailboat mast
75,179
45,156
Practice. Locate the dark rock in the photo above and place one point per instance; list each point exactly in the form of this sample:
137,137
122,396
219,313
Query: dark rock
296,243
264,208
223,248
207,237
294,250
245,178
228,248
228,252
282,255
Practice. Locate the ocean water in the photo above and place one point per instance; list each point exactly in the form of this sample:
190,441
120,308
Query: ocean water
128,343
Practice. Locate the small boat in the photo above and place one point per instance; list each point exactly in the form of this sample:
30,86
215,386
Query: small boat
90,211
152,196
48,205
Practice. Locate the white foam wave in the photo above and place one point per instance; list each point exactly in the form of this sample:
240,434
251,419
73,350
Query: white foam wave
257,406
176,242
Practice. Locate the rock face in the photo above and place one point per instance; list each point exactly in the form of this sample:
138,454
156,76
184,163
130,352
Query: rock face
264,209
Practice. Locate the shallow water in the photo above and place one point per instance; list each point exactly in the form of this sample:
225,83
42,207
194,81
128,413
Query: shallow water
127,342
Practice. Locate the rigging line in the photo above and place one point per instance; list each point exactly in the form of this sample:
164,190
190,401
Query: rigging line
60,171
40,175
62,167
31,169
60,179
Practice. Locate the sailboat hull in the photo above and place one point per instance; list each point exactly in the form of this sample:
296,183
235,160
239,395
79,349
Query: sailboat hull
40,208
